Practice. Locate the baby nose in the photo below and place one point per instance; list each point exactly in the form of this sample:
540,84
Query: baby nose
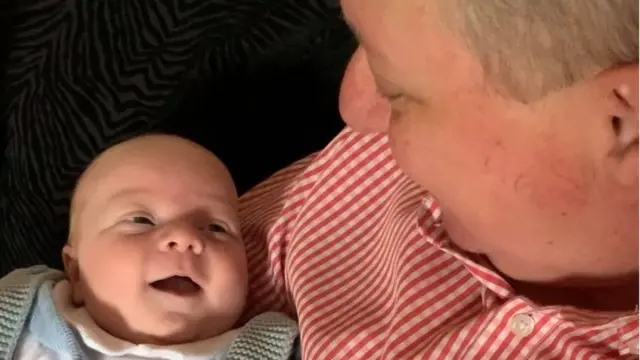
183,239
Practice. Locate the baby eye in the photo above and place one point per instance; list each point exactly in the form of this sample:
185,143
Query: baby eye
142,220
134,224
217,228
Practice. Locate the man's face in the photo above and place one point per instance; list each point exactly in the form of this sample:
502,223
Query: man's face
516,182
156,247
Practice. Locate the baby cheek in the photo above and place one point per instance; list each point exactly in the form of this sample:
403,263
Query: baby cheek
229,267
112,263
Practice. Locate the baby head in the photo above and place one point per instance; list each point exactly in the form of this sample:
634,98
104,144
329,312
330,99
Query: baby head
154,252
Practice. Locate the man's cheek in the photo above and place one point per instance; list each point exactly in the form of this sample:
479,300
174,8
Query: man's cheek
555,185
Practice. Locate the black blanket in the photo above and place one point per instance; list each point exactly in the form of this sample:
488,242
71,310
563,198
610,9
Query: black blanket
255,81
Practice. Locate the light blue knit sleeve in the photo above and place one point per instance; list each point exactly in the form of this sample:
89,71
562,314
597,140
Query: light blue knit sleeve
17,291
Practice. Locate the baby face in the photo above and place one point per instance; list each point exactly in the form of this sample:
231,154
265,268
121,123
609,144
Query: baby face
155,253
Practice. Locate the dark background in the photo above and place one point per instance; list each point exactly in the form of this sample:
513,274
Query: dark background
254,81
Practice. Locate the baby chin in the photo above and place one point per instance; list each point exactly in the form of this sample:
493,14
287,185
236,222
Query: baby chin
178,318
176,328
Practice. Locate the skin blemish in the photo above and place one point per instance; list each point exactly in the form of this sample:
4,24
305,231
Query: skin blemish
518,184
560,182
568,186
494,159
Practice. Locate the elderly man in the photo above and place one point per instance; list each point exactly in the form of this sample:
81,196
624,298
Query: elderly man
482,201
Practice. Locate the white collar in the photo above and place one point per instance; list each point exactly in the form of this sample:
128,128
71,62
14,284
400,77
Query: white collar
99,340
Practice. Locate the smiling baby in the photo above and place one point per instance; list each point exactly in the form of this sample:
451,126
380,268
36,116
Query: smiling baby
155,267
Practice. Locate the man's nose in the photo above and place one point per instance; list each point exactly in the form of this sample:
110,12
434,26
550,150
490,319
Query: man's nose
361,107
183,238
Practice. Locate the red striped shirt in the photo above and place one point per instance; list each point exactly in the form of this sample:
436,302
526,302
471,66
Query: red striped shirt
346,243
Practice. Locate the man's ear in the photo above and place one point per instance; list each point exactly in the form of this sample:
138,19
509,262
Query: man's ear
72,271
621,84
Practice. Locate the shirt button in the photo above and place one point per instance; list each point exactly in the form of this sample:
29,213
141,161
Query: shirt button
522,325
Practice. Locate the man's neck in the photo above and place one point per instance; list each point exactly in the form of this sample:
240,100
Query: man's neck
615,295
618,296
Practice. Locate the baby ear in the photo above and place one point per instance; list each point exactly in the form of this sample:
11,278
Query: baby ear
72,271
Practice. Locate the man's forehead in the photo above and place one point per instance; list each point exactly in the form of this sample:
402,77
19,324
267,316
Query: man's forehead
394,32
376,21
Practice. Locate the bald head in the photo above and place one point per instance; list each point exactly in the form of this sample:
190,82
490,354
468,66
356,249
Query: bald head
170,154
149,209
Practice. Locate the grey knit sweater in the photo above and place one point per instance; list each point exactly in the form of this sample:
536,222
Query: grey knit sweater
268,336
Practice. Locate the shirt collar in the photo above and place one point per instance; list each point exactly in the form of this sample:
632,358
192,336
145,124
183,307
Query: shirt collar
495,287
430,225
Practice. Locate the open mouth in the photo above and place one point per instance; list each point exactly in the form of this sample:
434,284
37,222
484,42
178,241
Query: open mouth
178,285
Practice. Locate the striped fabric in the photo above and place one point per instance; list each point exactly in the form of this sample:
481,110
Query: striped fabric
351,246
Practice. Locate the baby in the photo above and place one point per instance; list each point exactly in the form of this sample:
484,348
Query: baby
155,267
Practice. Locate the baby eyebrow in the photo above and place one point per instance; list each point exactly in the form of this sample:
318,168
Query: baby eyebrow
125,193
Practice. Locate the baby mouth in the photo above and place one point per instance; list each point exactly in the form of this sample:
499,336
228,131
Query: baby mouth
178,285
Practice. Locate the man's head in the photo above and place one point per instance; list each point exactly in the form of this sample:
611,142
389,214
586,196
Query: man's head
154,252
521,117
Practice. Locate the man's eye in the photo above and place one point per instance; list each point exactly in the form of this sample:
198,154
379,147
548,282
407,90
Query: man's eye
217,228
143,220
391,98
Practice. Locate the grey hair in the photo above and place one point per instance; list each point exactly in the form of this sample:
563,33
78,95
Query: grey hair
529,48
